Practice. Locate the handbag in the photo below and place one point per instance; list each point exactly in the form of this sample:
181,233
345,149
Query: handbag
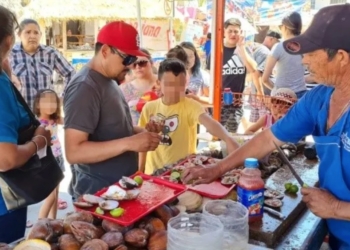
37,178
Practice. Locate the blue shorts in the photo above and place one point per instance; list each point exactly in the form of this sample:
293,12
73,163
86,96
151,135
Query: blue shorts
13,225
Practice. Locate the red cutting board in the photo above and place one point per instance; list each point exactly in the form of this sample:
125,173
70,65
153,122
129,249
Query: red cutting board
154,193
214,190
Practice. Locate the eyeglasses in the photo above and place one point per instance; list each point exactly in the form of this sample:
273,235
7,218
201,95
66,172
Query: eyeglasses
127,59
141,64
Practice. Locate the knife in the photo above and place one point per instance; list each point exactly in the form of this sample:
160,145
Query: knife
274,212
287,162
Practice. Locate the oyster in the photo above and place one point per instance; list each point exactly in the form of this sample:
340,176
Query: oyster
230,179
93,199
114,193
84,231
82,204
132,194
108,205
126,182
270,193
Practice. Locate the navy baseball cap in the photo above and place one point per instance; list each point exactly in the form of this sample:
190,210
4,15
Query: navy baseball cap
274,34
329,29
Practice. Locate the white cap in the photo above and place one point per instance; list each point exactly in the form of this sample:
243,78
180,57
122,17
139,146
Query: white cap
284,94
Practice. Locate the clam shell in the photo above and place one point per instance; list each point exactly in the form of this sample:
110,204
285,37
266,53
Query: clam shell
108,205
82,204
114,193
126,182
93,199
273,203
270,193
230,180
132,194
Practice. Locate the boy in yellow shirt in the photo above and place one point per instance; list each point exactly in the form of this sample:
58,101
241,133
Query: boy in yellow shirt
180,116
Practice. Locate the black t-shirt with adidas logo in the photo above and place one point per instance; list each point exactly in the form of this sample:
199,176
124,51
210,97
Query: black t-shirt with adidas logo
233,71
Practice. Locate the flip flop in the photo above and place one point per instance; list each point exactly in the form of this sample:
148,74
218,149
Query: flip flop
29,224
61,204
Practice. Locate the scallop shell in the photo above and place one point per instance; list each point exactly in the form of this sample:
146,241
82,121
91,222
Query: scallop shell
93,199
126,182
108,205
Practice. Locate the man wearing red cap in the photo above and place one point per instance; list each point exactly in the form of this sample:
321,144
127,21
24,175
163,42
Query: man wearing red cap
323,112
100,139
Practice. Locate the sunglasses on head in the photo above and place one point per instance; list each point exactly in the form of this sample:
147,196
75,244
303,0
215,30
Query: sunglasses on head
141,63
127,59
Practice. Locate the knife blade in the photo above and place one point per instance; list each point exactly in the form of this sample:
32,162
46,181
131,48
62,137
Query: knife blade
287,162
274,212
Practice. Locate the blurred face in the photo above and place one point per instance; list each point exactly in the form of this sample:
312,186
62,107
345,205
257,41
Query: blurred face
279,108
191,57
324,70
142,67
48,104
114,62
270,41
232,34
173,87
30,37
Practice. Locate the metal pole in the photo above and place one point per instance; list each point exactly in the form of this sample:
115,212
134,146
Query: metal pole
171,28
139,21
217,35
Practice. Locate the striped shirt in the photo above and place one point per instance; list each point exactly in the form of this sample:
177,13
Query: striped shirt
35,72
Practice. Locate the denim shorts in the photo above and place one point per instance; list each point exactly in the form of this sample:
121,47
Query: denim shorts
13,225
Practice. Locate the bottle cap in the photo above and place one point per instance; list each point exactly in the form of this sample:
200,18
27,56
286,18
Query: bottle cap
251,163
227,89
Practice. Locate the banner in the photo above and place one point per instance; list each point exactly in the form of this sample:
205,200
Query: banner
154,34
264,12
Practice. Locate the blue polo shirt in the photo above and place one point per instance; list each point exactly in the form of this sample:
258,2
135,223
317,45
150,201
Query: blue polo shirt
13,117
309,117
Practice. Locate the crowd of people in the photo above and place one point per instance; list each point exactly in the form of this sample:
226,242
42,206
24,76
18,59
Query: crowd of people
123,114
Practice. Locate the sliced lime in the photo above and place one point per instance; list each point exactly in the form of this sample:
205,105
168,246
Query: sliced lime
294,189
117,212
99,211
138,179
175,176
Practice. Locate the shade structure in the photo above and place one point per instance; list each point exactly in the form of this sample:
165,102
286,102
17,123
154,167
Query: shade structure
13,5
58,10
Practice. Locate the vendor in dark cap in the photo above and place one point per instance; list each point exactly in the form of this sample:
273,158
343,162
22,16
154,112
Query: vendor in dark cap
323,113
272,38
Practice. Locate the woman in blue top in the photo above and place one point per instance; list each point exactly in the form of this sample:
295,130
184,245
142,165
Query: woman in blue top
324,113
13,117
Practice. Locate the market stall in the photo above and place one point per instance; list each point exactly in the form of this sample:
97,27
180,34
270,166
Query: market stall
143,212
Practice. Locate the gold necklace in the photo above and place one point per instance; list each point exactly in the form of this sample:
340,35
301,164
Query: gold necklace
345,108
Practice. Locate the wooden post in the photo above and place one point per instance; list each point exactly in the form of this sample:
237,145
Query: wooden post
43,31
217,30
64,35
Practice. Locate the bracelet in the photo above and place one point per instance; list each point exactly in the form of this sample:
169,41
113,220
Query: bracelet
37,147
38,136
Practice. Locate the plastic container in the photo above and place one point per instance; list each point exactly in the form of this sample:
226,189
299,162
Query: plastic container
195,231
250,189
228,96
234,217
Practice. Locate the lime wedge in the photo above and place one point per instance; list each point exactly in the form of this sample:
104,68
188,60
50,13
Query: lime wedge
117,212
175,176
138,179
99,211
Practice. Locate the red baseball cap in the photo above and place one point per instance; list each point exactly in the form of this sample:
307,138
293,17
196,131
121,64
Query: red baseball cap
122,36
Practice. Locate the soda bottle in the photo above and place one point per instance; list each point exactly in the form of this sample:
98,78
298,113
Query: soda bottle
250,189
228,96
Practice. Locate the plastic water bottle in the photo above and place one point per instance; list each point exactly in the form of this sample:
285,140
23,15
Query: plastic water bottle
250,189
228,96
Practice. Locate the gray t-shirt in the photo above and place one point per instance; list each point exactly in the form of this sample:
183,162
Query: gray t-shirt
260,54
290,71
95,105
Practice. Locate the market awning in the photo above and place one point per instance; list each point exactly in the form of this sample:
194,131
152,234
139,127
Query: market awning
56,10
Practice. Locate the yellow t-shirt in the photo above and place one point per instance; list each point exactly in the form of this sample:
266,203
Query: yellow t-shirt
179,134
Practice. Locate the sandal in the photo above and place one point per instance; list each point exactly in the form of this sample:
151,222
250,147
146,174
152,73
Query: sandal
29,224
61,204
